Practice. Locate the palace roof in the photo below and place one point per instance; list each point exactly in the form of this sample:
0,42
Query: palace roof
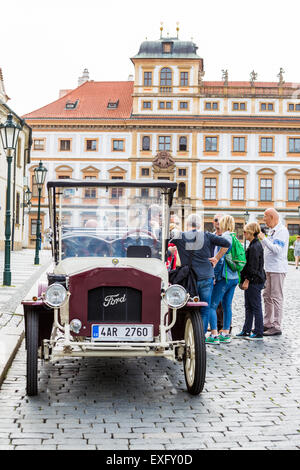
106,100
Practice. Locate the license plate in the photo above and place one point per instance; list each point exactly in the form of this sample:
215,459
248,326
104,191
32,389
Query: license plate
115,332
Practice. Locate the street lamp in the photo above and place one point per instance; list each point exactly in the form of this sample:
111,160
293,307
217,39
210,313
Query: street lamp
9,132
39,180
246,217
27,198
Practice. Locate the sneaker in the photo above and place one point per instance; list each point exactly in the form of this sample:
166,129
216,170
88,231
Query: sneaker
212,340
272,332
242,334
255,337
224,338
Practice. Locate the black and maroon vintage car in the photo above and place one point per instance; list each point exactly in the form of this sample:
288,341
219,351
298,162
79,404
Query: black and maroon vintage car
108,294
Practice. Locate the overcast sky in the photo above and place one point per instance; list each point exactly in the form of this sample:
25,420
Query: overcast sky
45,45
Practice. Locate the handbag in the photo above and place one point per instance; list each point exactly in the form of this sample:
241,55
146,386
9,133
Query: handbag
186,277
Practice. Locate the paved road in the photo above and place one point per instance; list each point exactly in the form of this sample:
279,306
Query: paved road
251,398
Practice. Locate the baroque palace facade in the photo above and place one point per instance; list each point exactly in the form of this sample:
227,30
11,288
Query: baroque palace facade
232,147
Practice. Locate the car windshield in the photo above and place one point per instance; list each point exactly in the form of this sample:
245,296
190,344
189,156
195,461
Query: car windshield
109,221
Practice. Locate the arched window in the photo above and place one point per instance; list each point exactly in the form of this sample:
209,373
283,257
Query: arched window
181,190
166,79
182,144
146,143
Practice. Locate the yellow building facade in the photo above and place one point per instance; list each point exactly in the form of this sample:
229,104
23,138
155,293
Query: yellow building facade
232,147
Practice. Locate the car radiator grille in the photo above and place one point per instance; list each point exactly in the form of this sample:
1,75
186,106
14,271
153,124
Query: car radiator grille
114,304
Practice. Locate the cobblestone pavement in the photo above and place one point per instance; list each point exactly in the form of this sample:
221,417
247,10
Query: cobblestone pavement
251,398
23,275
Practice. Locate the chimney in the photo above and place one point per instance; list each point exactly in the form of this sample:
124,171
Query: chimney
85,77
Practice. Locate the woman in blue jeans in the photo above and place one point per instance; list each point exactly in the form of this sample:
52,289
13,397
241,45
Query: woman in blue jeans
223,290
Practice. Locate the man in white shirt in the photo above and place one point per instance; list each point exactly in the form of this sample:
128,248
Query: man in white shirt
276,266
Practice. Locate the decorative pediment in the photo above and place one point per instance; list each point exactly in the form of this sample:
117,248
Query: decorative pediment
210,170
266,171
63,168
238,171
90,169
293,171
117,169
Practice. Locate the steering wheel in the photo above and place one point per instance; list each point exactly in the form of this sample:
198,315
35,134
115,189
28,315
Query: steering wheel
137,230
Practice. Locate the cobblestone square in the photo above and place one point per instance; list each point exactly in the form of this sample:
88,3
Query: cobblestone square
251,398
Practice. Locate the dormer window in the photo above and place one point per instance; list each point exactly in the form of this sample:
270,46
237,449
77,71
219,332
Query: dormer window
167,47
113,104
71,104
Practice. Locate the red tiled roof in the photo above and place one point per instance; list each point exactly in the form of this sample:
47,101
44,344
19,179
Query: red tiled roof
93,98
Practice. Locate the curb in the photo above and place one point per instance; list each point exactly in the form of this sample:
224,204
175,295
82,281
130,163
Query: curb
12,337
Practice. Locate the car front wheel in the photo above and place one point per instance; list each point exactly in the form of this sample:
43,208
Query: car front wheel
194,362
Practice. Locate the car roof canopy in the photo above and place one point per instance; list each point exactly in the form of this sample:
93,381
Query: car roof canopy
144,183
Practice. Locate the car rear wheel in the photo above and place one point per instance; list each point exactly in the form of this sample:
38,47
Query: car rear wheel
32,333
194,362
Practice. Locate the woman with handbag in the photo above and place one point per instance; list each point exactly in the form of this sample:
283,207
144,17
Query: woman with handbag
225,283
252,282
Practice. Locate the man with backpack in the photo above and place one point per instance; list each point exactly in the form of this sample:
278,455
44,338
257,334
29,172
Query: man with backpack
227,276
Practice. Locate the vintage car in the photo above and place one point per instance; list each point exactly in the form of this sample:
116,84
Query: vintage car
109,293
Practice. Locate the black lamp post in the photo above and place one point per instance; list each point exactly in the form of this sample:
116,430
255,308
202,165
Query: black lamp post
39,180
9,132
246,217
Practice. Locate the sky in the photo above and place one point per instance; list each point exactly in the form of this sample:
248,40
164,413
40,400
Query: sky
45,45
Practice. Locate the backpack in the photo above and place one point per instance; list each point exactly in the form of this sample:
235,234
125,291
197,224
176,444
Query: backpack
236,258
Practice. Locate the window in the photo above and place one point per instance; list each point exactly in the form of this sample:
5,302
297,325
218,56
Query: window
212,105
294,190
33,225
211,144
182,144
145,172
266,144
184,78
164,143
182,172
147,105
90,193
113,104
210,192
118,145
166,80
34,188
167,47
266,189
39,144
294,145
267,106
238,144
294,107
116,193
238,187
294,229
165,105
65,145
91,145
147,78
144,192
181,190
71,104
146,143
17,208
239,106
183,105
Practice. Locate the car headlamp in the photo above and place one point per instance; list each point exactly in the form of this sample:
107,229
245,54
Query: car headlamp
176,296
55,295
